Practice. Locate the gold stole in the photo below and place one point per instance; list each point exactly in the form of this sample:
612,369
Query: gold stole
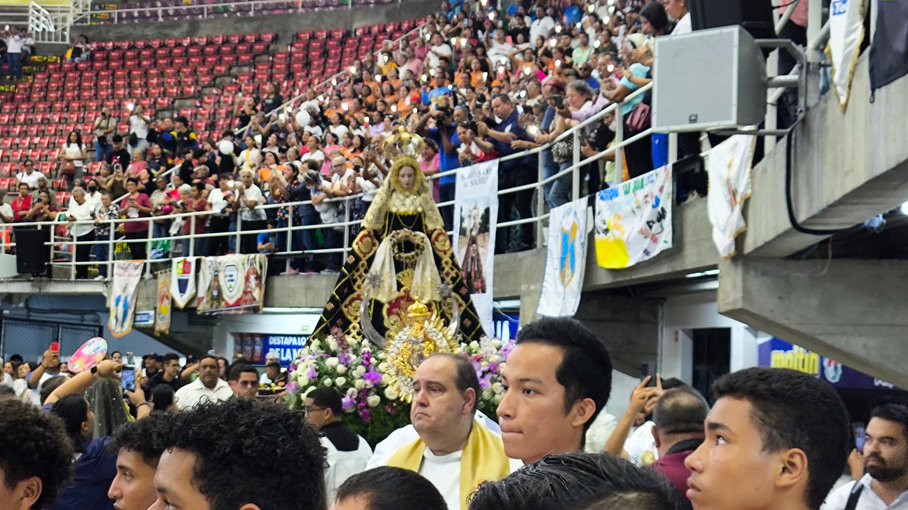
483,460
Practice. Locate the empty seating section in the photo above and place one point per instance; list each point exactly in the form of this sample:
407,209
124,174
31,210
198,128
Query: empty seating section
180,10
205,72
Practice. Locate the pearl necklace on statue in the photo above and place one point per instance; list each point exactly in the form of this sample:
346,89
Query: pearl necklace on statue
405,204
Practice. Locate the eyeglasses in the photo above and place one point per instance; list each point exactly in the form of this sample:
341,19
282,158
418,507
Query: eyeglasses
313,409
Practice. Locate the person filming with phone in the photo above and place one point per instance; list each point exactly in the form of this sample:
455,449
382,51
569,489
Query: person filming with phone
885,455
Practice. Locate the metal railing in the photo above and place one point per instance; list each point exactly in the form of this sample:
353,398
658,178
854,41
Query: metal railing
290,251
216,10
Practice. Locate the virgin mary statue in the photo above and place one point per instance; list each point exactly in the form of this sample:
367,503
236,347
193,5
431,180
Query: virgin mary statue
401,256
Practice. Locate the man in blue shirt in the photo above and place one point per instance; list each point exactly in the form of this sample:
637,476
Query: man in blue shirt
445,135
511,173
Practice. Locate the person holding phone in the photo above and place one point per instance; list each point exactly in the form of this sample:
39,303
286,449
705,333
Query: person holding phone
104,127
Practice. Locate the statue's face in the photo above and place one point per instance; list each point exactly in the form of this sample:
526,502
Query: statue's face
407,177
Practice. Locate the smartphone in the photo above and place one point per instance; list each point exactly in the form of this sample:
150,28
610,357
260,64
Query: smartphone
859,437
128,379
559,101
54,346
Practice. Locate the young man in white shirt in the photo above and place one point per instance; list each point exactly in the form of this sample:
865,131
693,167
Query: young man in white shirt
885,453
208,387
14,43
138,125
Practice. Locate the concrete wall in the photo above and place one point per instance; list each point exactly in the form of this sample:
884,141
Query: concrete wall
684,313
285,26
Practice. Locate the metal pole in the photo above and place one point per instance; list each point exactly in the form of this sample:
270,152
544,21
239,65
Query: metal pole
575,169
540,197
191,236
289,234
619,138
346,230
110,249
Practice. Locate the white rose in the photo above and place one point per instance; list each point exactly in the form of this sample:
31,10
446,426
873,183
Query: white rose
373,400
332,362
332,345
496,344
328,382
498,388
494,358
474,345
301,379
352,392
309,390
385,379
359,371
391,393
487,394
359,384
382,367
340,381
341,369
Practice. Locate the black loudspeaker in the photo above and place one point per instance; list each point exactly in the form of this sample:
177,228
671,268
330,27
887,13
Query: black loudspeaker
31,253
755,16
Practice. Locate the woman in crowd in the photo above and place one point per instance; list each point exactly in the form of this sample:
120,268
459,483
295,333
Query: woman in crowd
72,158
136,205
80,215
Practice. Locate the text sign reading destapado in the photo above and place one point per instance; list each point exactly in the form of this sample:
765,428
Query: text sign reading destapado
285,347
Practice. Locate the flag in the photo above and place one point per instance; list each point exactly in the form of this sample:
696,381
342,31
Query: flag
889,51
846,31
475,220
182,280
728,166
565,260
122,306
164,303
634,220
232,283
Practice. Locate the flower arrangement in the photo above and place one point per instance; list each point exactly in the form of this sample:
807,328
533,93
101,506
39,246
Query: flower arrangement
372,408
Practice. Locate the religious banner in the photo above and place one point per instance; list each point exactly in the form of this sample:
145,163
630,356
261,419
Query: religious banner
163,305
634,220
182,280
122,306
565,260
728,166
232,284
475,219
846,31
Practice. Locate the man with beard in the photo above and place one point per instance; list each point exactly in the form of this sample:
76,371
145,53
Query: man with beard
207,387
885,484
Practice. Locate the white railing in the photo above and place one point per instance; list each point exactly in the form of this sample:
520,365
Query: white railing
206,11
49,24
290,251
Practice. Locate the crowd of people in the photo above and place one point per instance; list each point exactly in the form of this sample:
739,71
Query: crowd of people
773,439
477,82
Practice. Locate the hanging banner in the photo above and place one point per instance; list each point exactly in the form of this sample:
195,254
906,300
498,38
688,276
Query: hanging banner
846,31
728,166
889,51
164,304
232,284
182,283
475,220
565,260
122,306
634,220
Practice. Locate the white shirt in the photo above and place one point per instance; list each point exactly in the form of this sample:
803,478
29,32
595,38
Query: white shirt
138,126
14,44
81,212
343,465
339,131
252,193
541,28
216,200
683,26
500,51
443,471
73,150
837,499
195,393
30,179
5,210
641,445
408,434
442,50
